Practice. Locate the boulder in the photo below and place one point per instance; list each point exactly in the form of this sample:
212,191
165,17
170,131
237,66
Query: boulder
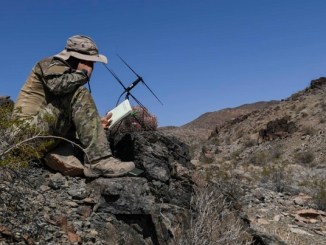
149,208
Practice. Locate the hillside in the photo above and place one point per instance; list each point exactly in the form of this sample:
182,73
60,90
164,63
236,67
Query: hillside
279,154
196,132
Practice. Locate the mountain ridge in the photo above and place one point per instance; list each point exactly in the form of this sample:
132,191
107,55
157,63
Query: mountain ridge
210,119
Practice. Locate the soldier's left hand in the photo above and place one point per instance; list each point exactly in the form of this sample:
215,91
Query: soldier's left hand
106,120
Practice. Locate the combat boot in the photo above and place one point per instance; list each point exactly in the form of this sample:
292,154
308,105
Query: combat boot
62,159
108,167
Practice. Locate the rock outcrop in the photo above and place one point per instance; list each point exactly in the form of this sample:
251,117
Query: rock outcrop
5,100
155,201
278,128
144,209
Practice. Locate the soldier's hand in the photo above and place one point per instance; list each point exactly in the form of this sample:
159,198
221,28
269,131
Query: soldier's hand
87,66
106,120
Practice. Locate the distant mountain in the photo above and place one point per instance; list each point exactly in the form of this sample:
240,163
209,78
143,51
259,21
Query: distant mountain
209,120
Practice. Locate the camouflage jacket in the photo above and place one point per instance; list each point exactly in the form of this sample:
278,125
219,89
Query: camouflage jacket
49,79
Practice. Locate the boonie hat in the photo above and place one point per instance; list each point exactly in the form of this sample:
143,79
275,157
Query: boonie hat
82,47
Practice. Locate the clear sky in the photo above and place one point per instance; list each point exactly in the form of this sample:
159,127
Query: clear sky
197,56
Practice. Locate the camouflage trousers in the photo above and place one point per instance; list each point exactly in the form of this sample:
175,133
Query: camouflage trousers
75,116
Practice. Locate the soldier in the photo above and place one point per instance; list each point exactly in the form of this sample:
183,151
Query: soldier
55,88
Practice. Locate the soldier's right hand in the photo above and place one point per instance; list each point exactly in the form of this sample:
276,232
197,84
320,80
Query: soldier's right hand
87,66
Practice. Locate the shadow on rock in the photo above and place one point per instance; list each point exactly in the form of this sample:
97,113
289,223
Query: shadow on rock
147,209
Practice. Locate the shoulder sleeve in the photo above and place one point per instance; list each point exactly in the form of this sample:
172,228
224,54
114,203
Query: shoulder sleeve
58,77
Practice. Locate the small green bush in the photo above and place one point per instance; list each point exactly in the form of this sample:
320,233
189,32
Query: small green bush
20,141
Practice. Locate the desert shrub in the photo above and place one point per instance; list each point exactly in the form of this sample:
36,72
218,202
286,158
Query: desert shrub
277,108
20,141
249,143
319,191
235,154
204,158
259,158
193,149
323,105
316,186
300,108
322,119
239,133
215,140
227,140
206,155
263,157
231,187
304,157
304,114
308,130
320,194
277,175
213,220
222,176
276,152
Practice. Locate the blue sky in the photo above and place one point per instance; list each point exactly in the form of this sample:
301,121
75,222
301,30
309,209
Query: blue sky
197,56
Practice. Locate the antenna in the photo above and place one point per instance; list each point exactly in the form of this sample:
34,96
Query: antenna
139,79
131,85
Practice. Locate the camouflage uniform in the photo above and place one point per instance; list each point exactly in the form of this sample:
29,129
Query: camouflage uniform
55,89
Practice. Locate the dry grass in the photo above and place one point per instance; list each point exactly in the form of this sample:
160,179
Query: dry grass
212,221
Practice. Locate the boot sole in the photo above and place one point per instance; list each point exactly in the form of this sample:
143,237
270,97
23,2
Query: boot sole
93,174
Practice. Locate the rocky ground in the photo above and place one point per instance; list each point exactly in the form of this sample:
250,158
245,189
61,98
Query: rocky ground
292,218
